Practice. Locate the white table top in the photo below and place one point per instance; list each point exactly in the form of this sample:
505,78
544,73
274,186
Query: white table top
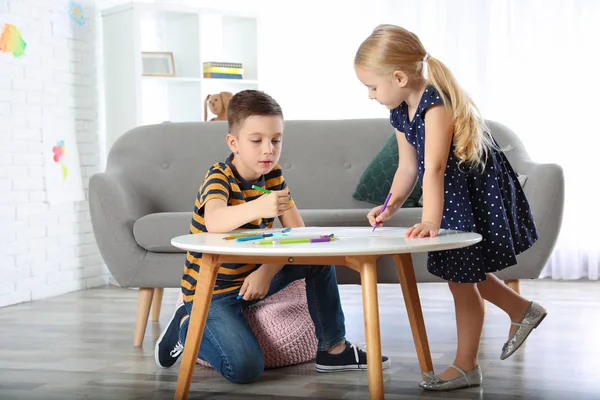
350,241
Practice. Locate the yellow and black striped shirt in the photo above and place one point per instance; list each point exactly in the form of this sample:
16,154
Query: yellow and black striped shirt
222,181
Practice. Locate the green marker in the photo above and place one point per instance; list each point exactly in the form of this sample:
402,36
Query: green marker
266,191
300,240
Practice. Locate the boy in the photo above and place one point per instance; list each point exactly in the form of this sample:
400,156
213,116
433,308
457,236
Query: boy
225,202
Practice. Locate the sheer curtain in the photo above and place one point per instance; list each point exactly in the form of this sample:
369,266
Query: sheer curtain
534,66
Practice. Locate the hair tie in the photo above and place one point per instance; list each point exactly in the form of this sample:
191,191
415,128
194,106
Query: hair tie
425,66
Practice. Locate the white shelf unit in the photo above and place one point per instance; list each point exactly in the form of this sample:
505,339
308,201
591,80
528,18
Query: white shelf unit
194,36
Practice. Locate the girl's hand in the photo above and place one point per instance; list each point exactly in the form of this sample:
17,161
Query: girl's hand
421,230
375,216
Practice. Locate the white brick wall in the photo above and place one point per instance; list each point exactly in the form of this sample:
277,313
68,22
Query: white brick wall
47,249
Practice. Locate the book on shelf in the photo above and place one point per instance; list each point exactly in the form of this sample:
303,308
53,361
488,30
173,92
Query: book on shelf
223,70
221,64
216,75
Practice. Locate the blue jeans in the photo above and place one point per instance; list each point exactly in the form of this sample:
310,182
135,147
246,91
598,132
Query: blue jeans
229,344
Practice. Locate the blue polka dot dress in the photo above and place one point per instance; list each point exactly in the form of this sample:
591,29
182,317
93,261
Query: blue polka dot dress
490,203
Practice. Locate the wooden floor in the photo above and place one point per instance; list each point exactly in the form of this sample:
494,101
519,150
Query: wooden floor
79,346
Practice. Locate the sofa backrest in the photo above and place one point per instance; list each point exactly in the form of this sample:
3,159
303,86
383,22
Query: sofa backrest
322,160
512,145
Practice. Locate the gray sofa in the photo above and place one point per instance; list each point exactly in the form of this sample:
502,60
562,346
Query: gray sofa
146,195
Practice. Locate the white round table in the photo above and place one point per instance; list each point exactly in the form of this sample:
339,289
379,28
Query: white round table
355,247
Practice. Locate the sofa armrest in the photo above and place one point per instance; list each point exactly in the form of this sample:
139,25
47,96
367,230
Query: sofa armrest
545,191
114,208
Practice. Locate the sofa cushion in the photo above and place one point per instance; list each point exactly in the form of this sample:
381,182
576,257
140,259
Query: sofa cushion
154,232
375,182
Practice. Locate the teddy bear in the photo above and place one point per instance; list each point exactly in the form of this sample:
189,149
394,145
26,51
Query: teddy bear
218,105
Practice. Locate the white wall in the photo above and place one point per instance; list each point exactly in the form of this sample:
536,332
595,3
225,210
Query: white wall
306,51
45,249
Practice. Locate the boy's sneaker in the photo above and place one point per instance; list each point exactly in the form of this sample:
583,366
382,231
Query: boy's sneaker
352,358
168,347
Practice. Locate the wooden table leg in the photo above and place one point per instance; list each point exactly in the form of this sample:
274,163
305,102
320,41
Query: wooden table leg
368,279
204,288
157,303
406,274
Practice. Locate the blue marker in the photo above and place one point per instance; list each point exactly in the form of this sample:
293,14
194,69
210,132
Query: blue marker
286,230
246,238
239,297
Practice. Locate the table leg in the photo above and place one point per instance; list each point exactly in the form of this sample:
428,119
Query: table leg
204,288
406,274
368,278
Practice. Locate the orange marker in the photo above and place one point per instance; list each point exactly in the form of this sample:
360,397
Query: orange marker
232,237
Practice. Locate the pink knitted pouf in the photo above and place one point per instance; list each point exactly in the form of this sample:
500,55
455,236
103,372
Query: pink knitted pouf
283,327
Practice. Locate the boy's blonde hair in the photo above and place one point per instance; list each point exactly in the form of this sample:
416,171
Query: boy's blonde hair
391,48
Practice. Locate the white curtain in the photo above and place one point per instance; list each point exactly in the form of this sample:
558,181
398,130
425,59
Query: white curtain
535,67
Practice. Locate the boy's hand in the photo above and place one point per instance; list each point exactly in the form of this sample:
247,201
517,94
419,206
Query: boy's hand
375,217
256,285
272,205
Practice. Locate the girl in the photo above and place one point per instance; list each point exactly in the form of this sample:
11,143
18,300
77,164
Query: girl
468,185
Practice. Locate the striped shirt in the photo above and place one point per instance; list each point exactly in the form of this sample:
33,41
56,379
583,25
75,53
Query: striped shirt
222,181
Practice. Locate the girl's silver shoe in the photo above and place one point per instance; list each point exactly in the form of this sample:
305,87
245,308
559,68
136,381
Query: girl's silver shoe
465,380
534,315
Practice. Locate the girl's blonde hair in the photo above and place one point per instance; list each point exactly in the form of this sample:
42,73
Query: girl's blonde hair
391,48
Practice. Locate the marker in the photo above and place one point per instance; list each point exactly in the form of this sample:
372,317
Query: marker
291,241
239,297
279,237
240,235
266,191
261,234
247,238
382,209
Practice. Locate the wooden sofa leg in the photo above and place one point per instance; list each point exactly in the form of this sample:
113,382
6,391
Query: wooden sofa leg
514,285
144,302
157,303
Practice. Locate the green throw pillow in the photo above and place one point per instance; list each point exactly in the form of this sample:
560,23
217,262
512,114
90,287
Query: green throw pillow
375,183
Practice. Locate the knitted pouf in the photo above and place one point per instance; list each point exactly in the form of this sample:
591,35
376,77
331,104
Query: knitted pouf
283,327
